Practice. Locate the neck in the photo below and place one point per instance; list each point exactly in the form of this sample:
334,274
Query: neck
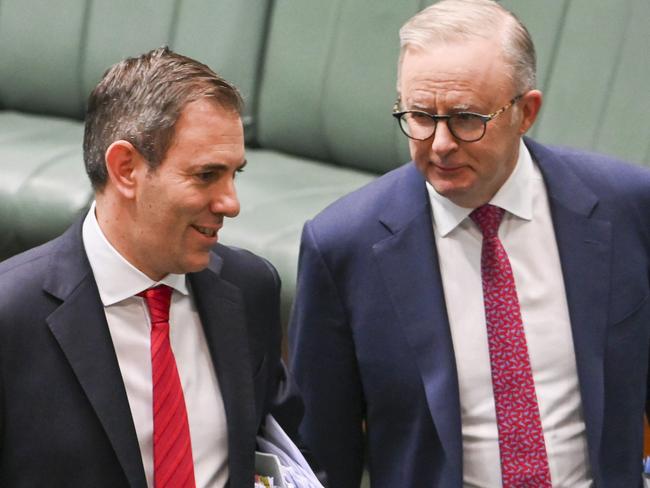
117,224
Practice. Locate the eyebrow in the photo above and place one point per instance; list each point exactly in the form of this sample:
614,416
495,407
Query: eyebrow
220,166
421,107
461,107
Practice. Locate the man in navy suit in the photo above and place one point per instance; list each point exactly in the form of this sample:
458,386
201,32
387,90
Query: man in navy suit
394,341
163,143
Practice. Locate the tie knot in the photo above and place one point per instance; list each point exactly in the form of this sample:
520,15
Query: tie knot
488,218
158,299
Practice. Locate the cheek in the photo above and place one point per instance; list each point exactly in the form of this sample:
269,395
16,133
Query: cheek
487,155
164,220
419,150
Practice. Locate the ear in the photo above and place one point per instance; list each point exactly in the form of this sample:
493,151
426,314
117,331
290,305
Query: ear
530,104
123,162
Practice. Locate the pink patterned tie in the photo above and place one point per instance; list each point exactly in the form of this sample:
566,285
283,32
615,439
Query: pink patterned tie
524,463
172,448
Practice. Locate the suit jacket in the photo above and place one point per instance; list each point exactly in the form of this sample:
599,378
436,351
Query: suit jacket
370,336
64,415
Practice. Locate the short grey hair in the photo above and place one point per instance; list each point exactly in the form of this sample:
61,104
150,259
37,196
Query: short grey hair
460,20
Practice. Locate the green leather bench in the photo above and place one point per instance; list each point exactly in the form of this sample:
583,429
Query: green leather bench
319,81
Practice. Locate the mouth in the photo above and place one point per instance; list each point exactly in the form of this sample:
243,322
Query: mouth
447,169
206,231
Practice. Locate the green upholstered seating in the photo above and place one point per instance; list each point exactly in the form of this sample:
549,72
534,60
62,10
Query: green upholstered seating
319,82
597,90
42,185
323,120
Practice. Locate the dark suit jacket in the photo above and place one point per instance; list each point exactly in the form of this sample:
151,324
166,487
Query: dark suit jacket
370,337
64,414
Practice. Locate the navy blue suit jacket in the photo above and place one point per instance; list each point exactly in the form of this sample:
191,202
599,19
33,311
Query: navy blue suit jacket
370,337
64,414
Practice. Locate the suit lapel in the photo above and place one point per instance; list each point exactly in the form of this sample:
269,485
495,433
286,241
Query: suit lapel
409,265
221,308
79,326
584,244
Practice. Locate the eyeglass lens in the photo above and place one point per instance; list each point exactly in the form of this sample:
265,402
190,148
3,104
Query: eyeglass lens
464,126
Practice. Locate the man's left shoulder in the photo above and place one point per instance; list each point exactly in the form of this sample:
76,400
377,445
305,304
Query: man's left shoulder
599,171
244,268
597,162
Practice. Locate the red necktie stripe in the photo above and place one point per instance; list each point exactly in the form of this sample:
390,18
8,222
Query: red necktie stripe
172,448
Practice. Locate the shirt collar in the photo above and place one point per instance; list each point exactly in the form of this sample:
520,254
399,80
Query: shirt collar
116,278
514,196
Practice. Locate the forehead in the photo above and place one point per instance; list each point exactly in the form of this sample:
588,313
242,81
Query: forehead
205,129
471,70
209,115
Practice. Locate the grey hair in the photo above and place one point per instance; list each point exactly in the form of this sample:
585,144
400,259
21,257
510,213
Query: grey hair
460,20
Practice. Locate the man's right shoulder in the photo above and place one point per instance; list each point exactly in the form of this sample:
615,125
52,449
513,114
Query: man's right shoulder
27,269
364,206
35,256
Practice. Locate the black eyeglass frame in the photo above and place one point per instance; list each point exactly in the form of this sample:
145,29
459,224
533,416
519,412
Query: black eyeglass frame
485,118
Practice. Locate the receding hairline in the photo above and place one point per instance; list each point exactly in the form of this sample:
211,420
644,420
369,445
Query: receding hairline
459,40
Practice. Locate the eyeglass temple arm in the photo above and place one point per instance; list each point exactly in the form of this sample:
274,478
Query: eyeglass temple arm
504,108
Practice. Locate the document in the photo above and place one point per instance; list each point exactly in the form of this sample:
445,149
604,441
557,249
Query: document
294,469
268,471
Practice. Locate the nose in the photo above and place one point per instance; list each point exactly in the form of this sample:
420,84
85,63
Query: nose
443,141
225,201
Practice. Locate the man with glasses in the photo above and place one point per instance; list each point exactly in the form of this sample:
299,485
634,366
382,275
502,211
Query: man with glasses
478,317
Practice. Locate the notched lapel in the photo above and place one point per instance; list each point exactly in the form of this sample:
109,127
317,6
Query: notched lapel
585,245
221,308
409,265
79,326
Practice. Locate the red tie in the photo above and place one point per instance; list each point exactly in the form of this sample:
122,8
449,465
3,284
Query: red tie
172,448
524,463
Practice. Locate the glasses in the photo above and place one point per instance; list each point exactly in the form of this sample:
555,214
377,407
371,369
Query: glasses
464,126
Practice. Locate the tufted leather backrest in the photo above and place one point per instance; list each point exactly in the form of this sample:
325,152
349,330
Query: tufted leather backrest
329,78
53,53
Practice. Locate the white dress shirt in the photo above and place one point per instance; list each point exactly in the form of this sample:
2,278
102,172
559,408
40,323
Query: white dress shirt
528,237
129,325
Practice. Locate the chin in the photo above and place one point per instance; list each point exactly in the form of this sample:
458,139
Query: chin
197,264
449,189
459,194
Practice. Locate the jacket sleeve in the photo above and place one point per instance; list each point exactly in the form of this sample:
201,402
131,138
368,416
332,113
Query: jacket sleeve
323,362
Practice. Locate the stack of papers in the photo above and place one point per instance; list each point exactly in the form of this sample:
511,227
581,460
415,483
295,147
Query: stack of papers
269,471
280,459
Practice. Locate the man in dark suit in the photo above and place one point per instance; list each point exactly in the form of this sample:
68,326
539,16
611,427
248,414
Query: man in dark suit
480,316
85,385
